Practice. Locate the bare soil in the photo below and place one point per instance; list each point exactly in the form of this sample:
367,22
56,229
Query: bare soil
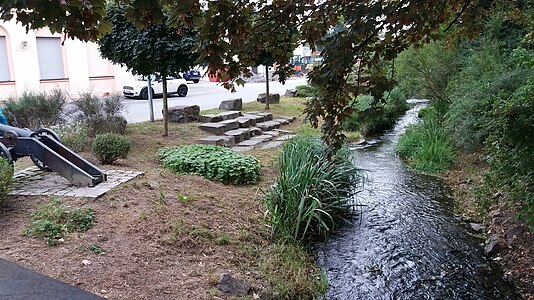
515,237
164,236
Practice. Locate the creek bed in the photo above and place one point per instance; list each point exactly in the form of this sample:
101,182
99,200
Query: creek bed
405,242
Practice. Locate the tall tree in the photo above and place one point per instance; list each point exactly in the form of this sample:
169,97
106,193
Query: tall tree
156,49
373,31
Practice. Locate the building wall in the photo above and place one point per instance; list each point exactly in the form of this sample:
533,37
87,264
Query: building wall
83,68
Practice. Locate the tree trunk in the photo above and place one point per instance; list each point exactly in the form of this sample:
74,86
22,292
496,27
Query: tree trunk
267,87
165,107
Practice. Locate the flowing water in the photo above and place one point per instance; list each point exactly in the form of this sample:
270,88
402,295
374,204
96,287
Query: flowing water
406,243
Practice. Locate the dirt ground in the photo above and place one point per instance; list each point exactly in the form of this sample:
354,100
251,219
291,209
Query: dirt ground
164,236
515,238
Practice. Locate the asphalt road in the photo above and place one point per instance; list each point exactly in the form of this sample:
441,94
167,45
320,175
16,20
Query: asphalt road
205,94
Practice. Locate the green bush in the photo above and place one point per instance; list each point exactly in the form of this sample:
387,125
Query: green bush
212,162
373,118
35,110
75,135
54,221
110,146
102,114
306,91
426,145
312,195
6,177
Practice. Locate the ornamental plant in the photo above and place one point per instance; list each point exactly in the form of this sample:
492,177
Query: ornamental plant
110,146
211,162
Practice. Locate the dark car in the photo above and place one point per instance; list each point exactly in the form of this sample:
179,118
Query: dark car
192,75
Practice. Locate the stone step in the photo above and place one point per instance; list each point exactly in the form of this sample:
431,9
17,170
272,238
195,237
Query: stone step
209,118
268,125
214,128
231,124
218,140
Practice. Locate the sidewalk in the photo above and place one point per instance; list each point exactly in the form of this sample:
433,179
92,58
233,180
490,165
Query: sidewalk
17,283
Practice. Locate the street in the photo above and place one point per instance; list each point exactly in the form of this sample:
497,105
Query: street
207,95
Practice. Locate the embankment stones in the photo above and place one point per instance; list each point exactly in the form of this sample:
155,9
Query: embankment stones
231,104
184,113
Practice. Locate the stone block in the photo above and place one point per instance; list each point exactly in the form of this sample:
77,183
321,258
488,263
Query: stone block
244,122
216,140
273,98
209,118
285,137
289,118
257,118
291,93
215,128
242,149
231,124
272,133
281,121
231,104
263,137
238,134
271,145
184,113
282,131
227,115
265,126
266,116
252,142
254,131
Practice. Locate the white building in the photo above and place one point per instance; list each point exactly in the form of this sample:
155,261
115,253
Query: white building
40,61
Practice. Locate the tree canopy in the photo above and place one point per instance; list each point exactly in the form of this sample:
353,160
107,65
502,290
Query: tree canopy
233,34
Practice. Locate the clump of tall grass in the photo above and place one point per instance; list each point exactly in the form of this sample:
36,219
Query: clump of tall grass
313,194
426,145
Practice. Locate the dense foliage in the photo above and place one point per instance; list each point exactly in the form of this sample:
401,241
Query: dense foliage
373,117
74,135
306,91
489,109
312,195
100,114
427,145
35,110
110,146
233,34
212,162
54,221
6,177
157,49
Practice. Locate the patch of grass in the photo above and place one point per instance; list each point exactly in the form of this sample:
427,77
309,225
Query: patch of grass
54,221
312,195
288,106
292,272
95,249
222,240
426,146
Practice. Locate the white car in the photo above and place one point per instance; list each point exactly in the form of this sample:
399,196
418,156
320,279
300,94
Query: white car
139,88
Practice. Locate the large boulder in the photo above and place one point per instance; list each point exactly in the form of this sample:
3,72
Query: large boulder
273,98
233,286
231,104
291,93
184,113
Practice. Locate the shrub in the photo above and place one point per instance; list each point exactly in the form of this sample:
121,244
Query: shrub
110,146
6,177
36,110
102,114
54,221
74,135
211,162
306,91
312,195
426,145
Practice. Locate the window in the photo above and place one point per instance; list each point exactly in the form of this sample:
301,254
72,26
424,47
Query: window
4,67
50,58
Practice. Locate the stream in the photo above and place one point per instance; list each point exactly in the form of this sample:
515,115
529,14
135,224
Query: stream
405,242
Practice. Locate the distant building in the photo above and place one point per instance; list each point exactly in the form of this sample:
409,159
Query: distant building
40,61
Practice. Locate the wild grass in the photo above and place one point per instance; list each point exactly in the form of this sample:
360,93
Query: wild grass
313,194
427,146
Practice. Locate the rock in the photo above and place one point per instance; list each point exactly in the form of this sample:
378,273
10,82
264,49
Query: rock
184,113
215,128
230,124
281,121
271,145
286,137
273,133
238,134
291,93
86,262
492,246
514,232
232,286
218,140
251,143
478,228
209,118
242,149
231,104
273,98
263,137
227,115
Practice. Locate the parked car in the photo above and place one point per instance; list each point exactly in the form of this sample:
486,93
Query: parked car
138,89
192,75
